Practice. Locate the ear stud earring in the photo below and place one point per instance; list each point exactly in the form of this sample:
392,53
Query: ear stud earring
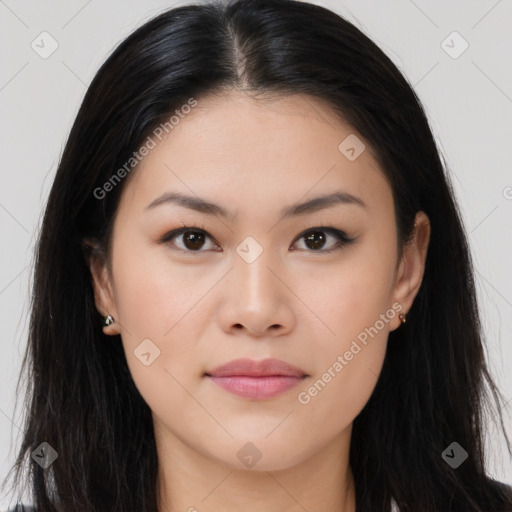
402,317
108,320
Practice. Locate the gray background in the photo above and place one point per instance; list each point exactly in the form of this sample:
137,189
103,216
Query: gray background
468,101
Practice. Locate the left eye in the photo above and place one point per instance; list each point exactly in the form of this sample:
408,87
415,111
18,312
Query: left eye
315,238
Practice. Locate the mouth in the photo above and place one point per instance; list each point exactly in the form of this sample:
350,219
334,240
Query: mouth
256,379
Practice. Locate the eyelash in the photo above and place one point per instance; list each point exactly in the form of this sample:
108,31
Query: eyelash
343,238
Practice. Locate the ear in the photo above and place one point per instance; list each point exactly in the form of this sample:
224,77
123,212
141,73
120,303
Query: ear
412,267
104,296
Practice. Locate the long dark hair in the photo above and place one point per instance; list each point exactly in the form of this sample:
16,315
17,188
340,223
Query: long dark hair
434,387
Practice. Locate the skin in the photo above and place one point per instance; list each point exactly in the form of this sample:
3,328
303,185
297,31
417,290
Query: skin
295,303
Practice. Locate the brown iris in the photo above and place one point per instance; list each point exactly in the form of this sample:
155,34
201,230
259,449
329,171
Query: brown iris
316,238
193,239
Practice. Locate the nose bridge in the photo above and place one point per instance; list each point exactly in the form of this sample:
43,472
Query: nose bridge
252,270
256,299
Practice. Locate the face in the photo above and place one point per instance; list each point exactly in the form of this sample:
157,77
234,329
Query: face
318,288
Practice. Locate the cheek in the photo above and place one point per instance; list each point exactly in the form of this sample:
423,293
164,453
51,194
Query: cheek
152,294
158,341
153,299
354,293
348,364
354,301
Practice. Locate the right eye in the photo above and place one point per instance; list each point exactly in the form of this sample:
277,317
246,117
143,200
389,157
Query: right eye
192,239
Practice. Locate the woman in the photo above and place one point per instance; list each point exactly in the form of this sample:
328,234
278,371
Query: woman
252,199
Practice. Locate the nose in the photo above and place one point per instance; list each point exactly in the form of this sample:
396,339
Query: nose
258,301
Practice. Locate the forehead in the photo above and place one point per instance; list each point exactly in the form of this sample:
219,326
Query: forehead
245,152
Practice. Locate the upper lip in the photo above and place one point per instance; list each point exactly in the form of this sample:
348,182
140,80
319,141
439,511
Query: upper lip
251,368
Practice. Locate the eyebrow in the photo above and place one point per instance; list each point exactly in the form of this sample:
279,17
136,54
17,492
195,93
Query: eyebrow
311,206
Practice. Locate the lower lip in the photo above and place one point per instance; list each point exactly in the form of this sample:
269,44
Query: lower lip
257,388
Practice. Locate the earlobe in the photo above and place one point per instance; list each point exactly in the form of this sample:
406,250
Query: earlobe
412,266
109,326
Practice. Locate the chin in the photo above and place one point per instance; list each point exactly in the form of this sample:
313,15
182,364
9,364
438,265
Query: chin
259,454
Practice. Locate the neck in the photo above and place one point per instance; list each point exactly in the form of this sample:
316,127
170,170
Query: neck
189,481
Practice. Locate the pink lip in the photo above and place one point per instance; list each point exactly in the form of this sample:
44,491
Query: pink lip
256,379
